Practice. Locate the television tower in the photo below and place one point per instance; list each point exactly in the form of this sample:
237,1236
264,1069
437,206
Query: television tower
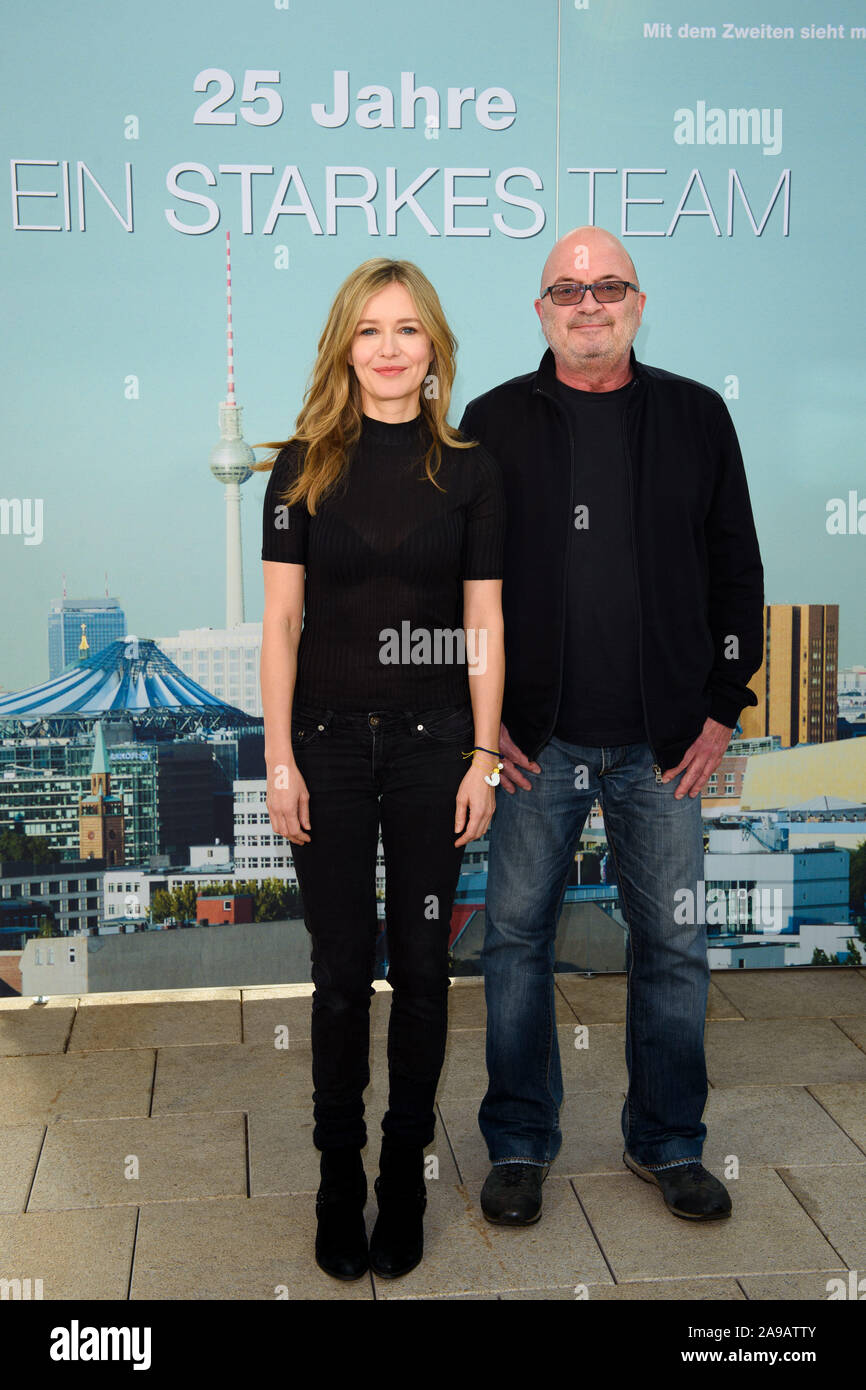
230,461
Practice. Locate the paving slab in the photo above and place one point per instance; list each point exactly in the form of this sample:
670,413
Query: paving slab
27,1028
767,1232
19,1151
602,999
81,1085
466,1004
301,989
103,1163
77,1254
846,1102
447,1298
835,1198
464,1072
380,1012
234,1248
797,1052
795,993
854,1027
463,1253
182,1022
283,1159
718,1003
272,1008
814,1288
599,1065
665,1290
242,1076
264,1017
187,994
591,1136
598,999
772,1125
467,1007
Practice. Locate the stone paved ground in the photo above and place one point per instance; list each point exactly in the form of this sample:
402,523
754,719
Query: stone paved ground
158,1146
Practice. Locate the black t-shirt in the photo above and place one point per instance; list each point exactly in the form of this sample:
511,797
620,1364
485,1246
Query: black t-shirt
385,557
601,700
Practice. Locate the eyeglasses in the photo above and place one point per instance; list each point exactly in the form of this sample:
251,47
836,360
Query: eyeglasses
603,291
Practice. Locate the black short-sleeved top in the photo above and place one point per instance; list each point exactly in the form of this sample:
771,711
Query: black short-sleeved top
385,555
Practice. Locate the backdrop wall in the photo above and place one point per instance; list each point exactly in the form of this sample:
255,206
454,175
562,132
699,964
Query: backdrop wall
726,145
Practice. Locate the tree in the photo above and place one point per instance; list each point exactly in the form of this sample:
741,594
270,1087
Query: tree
276,899
160,905
820,957
15,844
273,899
183,901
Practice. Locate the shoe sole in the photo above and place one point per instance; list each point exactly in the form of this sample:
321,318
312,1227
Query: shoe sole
397,1274
684,1215
498,1220
346,1278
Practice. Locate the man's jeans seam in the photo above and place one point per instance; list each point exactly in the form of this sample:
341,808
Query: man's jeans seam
627,915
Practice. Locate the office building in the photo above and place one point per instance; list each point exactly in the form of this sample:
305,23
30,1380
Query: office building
796,684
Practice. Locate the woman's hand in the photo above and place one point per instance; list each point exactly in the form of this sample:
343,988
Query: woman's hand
288,803
476,800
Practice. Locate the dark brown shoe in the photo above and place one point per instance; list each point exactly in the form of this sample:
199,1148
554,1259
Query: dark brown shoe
511,1196
688,1189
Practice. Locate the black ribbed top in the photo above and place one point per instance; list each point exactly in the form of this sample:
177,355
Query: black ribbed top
387,549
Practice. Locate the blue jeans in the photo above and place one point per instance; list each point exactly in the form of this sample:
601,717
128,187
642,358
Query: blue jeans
657,847
400,770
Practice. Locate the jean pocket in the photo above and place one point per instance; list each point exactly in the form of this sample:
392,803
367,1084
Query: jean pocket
309,725
454,724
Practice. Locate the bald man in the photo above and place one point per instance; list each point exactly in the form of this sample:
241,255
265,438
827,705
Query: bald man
633,604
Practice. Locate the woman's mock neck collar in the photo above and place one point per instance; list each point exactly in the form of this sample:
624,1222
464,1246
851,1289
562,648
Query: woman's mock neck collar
384,432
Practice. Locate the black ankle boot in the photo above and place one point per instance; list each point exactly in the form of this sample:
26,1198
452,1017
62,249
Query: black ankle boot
341,1236
397,1242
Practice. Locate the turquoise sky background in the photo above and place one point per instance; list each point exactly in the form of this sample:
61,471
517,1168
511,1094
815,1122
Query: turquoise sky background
126,485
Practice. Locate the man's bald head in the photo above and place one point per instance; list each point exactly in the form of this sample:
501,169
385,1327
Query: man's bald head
591,342
587,249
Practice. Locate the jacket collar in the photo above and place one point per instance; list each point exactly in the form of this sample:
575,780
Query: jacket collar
545,377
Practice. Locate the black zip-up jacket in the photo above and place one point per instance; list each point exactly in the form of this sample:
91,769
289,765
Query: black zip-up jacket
698,572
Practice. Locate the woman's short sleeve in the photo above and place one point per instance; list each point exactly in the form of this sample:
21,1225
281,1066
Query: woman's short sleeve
284,529
484,537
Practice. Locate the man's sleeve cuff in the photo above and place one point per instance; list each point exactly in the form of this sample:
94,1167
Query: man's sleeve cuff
724,711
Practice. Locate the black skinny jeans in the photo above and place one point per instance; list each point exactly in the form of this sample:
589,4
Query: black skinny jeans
404,767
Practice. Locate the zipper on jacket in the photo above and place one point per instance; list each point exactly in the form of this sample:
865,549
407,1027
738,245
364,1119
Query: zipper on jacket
656,765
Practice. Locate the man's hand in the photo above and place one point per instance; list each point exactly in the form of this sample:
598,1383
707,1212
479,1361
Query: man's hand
700,759
512,759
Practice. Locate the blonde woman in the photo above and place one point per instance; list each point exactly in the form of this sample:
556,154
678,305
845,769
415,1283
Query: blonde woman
382,675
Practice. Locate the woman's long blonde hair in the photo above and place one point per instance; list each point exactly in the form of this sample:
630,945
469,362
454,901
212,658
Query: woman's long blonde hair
329,424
